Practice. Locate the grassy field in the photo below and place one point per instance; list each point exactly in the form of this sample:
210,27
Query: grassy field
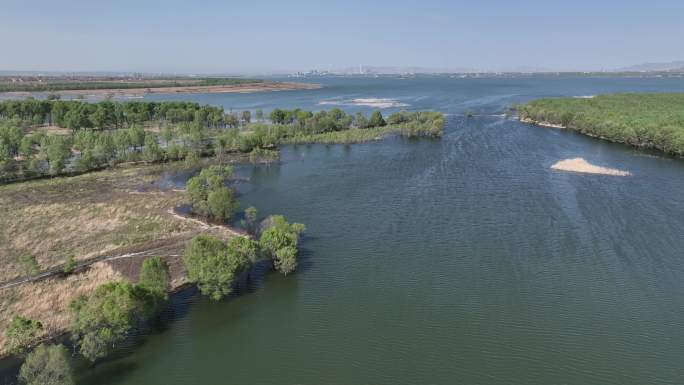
82,216
654,121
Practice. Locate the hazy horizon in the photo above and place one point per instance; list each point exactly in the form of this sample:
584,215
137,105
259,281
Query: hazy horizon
267,37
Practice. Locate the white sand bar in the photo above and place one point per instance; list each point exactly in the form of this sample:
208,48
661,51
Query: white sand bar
581,165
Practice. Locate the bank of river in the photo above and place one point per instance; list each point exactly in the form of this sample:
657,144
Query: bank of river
460,260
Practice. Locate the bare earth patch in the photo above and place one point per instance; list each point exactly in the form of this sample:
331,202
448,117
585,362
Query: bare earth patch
582,166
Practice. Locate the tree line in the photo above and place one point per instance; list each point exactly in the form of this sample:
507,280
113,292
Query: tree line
99,135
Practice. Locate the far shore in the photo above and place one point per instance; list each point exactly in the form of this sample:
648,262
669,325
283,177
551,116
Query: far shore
133,92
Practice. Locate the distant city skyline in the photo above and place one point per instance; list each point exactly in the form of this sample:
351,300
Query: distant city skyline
267,37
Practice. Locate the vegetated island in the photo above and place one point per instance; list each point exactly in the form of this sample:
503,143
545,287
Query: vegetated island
23,86
93,245
644,120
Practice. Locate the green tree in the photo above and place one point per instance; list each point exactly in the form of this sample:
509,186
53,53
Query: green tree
137,136
167,134
210,183
279,241
152,151
154,276
47,365
259,115
104,318
213,265
21,334
285,260
57,151
376,119
222,205
360,120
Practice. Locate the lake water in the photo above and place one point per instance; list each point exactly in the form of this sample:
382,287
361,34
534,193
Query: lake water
464,260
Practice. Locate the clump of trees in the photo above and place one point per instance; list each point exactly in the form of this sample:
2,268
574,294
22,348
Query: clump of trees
21,334
279,242
104,318
47,365
213,264
209,196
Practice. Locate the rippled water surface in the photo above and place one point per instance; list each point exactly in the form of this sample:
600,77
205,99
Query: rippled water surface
464,260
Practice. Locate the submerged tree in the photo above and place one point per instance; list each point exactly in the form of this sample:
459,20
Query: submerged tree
47,365
213,265
279,241
250,222
104,318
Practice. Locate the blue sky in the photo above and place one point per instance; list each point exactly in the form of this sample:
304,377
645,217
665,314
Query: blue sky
276,35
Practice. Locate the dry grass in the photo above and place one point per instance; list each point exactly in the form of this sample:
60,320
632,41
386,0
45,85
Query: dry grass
47,301
83,216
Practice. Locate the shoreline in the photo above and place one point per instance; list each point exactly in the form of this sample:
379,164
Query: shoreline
134,92
580,131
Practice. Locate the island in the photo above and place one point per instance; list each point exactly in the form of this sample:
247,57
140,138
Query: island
644,120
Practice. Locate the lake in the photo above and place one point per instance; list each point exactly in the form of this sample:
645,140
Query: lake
464,260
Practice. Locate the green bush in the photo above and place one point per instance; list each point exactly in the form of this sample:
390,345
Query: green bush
279,242
21,334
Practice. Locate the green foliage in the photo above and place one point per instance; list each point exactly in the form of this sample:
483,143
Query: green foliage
279,241
208,194
213,265
376,119
644,120
69,265
105,318
154,276
30,265
47,365
21,334
107,133
152,152
57,150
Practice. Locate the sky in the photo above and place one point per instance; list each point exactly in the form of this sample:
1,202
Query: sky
266,36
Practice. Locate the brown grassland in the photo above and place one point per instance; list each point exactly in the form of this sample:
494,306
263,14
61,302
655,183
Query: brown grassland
105,214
